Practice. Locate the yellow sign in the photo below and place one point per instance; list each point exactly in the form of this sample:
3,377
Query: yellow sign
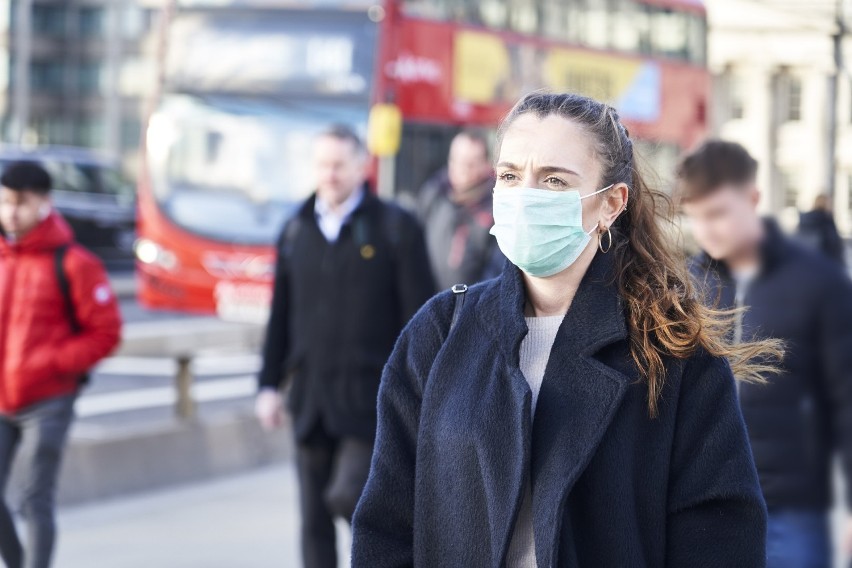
488,70
384,130
602,77
481,67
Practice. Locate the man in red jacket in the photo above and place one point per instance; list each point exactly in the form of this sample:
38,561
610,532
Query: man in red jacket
58,317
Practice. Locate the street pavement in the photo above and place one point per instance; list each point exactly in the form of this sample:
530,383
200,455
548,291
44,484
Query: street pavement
247,521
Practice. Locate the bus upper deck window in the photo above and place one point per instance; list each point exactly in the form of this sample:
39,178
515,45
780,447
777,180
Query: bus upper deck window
669,33
555,19
494,13
523,16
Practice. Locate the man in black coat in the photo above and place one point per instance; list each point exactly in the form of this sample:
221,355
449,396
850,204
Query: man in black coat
804,415
351,272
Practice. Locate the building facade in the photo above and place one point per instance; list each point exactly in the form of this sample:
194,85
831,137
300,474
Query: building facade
76,72
773,64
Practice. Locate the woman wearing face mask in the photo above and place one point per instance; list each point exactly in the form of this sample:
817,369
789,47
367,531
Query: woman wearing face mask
578,410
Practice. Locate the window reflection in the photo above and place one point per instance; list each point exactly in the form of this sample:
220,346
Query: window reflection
669,34
630,26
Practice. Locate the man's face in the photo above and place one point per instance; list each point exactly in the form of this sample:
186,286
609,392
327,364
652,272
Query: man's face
340,169
467,165
21,211
723,221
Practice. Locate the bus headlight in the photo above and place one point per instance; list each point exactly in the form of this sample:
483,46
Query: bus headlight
151,253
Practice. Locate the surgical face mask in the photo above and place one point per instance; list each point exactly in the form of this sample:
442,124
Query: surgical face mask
540,231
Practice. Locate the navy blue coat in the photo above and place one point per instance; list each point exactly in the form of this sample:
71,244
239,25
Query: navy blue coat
611,487
802,418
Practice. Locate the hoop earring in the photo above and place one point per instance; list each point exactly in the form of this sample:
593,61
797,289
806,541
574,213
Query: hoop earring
609,241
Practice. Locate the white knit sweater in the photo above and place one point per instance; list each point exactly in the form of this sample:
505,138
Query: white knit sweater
535,352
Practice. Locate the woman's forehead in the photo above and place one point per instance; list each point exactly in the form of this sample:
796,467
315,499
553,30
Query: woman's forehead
551,141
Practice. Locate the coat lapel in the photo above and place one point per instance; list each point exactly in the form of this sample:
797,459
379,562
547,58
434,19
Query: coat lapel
579,395
577,401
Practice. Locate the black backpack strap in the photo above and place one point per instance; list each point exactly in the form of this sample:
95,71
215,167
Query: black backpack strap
393,219
65,286
288,236
459,291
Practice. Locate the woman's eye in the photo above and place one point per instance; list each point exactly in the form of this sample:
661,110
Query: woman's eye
507,176
555,181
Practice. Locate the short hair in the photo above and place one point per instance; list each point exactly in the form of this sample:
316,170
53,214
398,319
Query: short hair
26,176
345,133
478,136
714,164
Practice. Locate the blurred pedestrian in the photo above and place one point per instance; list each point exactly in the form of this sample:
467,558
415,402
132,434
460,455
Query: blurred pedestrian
456,211
818,231
58,317
351,272
578,410
804,415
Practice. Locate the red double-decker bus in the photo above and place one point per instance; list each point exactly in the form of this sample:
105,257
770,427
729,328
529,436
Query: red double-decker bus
247,85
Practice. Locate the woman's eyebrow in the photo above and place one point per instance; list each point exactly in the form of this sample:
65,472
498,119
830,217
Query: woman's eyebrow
542,170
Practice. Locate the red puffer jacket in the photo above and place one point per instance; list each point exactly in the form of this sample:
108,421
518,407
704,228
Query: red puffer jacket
40,356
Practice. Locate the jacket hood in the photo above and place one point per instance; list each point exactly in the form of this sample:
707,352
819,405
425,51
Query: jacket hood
50,234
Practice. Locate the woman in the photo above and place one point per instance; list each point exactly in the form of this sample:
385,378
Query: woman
637,454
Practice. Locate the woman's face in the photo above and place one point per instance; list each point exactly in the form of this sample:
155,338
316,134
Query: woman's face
551,153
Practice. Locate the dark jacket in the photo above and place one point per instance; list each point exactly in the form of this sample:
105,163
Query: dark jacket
803,415
818,232
461,248
611,487
337,310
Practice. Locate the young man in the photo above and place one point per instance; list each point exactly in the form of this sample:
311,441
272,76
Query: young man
803,416
351,272
455,208
50,336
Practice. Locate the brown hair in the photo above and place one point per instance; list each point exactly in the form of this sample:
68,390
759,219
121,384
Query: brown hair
665,315
714,164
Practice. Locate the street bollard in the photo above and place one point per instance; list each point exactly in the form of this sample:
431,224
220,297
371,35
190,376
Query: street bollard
185,406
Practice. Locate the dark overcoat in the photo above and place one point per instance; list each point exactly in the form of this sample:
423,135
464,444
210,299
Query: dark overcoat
802,419
611,487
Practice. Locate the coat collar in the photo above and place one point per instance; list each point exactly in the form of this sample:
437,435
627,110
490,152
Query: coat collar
596,316
307,211
579,395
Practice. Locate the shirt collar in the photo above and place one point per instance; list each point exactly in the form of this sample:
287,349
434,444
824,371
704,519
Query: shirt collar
323,209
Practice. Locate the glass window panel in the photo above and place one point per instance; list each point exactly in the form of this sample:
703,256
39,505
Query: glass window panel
697,40
523,16
48,20
597,23
555,19
669,33
494,13
91,22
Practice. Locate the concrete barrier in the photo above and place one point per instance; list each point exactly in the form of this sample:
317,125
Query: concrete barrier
106,465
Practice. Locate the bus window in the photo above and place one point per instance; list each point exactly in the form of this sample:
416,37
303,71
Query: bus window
232,169
556,19
575,28
429,9
631,29
523,16
494,13
669,34
598,24
697,38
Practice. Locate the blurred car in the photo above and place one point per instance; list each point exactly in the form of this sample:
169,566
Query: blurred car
90,192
